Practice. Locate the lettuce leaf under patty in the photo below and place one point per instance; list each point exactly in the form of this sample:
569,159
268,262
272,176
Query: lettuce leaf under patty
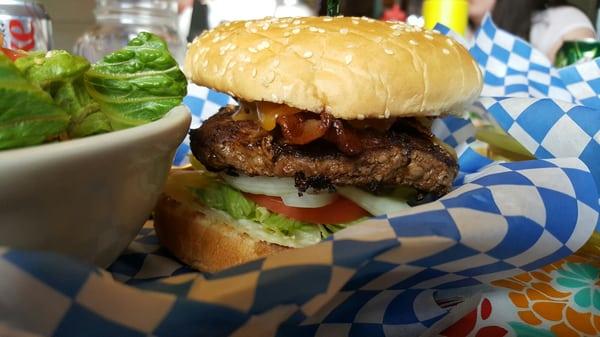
258,221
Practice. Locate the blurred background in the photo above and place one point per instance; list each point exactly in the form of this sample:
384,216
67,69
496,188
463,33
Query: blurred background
71,18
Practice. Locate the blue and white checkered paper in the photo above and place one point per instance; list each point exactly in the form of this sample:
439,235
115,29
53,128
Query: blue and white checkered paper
202,103
378,278
553,113
375,279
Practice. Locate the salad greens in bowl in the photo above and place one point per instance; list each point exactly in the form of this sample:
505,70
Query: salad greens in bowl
56,95
86,148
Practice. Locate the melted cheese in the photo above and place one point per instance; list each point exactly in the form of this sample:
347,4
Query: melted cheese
245,112
265,112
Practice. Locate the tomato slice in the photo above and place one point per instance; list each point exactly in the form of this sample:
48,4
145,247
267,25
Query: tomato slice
339,211
12,54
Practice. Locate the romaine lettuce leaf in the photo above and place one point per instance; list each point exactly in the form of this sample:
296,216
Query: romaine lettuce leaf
258,221
27,113
61,75
137,84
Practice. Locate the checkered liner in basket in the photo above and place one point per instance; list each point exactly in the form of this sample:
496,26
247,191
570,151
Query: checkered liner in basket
374,279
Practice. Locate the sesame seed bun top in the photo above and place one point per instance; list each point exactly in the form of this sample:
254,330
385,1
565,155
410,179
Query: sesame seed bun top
352,68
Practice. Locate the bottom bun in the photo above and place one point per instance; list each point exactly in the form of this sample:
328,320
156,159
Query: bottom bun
202,239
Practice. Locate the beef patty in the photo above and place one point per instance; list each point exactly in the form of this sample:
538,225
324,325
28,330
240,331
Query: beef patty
404,155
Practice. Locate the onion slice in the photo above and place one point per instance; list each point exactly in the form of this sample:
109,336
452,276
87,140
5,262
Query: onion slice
272,186
374,204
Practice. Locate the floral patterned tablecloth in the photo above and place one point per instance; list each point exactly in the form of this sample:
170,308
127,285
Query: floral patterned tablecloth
561,299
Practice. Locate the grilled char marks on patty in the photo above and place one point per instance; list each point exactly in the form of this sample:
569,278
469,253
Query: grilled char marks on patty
404,155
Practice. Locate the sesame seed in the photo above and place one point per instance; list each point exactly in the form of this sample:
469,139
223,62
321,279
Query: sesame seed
307,54
227,23
286,34
354,21
435,31
428,37
265,26
396,33
253,50
360,116
413,42
269,77
263,45
274,98
246,58
386,113
378,39
313,29
205,63
276,63
216,38
348,59
254,30
449,41
445,51
285,25
247,24
344,31
296,31
388,51
296,22
321,30
253,72
327,19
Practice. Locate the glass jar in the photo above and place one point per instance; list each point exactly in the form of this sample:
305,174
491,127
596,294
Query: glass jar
118,21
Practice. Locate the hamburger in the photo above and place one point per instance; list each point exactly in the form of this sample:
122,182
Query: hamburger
332,126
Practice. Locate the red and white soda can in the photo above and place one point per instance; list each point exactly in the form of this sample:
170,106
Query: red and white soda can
25,25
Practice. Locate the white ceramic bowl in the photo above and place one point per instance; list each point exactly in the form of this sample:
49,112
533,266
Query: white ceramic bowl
88,197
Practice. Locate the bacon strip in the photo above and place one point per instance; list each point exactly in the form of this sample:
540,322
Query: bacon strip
303,128
345,138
